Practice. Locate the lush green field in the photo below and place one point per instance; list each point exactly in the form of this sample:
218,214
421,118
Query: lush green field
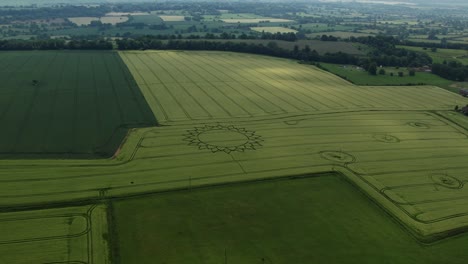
325,28
442,55
147,19
273,29
362,77
82,105
321,219
339,34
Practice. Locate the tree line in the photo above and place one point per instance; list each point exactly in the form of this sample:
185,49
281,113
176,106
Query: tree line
305,54
384,52
55,44
452,70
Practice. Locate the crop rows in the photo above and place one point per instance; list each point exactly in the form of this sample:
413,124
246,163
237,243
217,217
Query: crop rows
234,117
77,107
201,85
65,235
412,160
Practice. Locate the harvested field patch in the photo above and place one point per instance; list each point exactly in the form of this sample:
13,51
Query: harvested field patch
172,18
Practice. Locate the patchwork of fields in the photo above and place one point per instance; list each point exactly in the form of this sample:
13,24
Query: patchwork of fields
226,117
67,104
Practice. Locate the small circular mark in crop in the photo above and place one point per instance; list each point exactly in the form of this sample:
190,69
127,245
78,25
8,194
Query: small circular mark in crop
337,156
386,138
419,125
446,181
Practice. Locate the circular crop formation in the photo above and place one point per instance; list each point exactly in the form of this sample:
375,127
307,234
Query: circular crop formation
221,138
446,181
419,125
386,138
338,156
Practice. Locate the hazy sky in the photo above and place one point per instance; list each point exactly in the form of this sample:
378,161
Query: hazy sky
45,2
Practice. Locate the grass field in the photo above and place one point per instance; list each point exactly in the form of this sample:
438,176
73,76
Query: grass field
82,105
231,117
339,34
273,29
442,55
362,77
147,19
84,21
326,28
311,220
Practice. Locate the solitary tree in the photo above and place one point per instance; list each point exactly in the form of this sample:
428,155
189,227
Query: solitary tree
372,69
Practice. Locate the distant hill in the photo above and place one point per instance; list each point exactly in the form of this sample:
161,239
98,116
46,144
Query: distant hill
55,2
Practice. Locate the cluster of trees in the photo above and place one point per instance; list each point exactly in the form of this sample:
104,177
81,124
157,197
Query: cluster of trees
52,44
385,53
444,44
265,35
279,36
452,70
328,38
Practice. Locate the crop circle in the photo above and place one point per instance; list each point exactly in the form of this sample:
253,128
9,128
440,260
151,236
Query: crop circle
386,138
338,156
419,125
446,181
221,138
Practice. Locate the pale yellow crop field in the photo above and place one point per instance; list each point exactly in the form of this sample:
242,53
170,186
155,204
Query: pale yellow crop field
114,19
213,85
172,18
80,21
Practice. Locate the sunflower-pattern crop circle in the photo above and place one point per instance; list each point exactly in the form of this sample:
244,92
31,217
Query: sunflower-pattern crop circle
222,138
